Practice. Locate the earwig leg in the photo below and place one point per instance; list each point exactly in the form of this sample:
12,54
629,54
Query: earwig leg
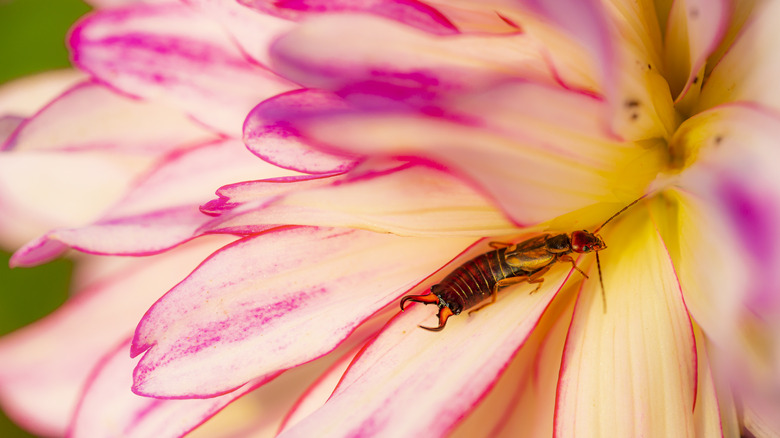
498,245
504,282
425,299
444,314
536,277
567,258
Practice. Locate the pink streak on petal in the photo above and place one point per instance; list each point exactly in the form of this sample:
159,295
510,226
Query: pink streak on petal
706,22
587,22
46,363
270,302
171,53
269,137
91,116
410,12
160,212
417,383
109,408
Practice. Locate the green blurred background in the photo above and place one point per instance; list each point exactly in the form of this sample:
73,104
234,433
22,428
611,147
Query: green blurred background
32,39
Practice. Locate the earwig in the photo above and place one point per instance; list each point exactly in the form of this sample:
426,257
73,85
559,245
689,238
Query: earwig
481,277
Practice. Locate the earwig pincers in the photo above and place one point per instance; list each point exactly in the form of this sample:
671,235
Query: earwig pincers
482,277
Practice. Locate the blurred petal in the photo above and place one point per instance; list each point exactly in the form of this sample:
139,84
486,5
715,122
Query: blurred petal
408,200
534,161
161,211
747,72
173,54
249,311
32,207
382,389
707,411
694,30
109,408
412,13
339,51
27,95
253,31
45,364
90,116
629,371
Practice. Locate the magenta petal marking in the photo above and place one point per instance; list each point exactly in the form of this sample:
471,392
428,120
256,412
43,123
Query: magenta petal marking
171,53
274,301
269,137
410,12
109,408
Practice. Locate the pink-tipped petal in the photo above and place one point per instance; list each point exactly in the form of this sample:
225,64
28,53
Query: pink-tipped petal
161,211
91,116
172,53
411,382
338,52
45,365
629,370
274,301
413,13
269,137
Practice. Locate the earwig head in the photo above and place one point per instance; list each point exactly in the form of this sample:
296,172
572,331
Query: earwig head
583,241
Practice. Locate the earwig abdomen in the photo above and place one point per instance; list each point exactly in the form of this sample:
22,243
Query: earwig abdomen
474,281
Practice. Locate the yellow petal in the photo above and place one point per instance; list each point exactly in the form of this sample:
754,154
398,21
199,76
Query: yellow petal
629,371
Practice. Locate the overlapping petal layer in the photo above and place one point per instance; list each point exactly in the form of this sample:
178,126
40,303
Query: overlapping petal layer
630,371
266,303
161,210
406,200
533,160
171,53
446,374
75,337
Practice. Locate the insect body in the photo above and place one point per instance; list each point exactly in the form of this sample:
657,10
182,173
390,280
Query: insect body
482,277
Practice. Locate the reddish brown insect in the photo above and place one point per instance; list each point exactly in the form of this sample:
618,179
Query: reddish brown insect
482,276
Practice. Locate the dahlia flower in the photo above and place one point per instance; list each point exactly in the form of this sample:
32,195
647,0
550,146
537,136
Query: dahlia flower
361,151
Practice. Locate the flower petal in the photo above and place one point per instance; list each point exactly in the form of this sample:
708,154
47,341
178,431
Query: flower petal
522,402
109,408
172,53
412,13
338,52
27,95
629,371
253,32
747,70
382,391
408,200
267,303
31,207
45,364
534,161
161,211
268,136
90,116
694,30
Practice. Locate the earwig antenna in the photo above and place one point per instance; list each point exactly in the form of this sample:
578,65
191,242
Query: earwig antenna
618,213
601,280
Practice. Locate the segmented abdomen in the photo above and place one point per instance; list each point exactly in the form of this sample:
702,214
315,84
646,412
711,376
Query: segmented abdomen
473,281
